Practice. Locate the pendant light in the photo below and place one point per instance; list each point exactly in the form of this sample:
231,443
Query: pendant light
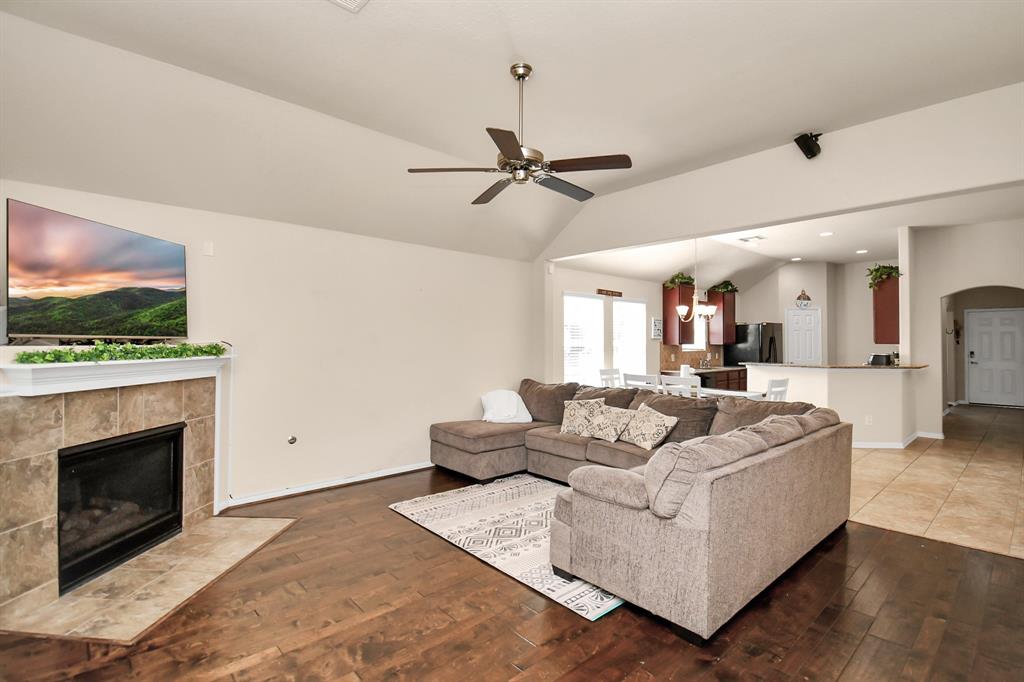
698,309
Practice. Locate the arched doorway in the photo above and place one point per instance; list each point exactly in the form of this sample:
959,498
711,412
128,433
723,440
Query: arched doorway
983,346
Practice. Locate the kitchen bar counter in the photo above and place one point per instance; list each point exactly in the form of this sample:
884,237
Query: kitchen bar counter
876,399
703,370
799,366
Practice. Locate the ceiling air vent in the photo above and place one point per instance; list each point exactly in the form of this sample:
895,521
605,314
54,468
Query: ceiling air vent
351,5
752,239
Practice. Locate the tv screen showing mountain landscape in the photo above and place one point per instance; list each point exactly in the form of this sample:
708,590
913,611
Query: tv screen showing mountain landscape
68,276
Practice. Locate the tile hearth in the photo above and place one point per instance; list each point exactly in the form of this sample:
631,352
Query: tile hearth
120,605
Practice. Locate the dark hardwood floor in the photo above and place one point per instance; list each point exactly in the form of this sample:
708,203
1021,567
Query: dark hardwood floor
353,591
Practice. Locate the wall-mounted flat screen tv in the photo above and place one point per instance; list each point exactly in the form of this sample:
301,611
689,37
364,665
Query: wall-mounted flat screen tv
71,277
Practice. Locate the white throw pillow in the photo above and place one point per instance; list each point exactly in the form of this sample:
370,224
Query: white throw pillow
609,423
505,407
578,414
648,428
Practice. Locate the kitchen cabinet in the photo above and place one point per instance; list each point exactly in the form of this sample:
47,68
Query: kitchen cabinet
725,379
722,327
886,303
675,332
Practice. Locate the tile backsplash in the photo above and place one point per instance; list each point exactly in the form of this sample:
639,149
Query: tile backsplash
688,357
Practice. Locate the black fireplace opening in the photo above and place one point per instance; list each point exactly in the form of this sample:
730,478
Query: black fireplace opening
117,497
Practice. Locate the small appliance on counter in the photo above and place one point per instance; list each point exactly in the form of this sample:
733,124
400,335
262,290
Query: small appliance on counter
759,342
880,359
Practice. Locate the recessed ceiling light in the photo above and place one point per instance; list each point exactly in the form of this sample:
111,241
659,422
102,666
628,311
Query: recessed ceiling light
862,250
825,234
796,259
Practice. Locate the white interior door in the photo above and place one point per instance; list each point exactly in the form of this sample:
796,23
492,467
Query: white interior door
995,356
803,336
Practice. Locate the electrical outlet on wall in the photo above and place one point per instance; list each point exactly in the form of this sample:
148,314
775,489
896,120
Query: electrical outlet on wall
868,420
673,357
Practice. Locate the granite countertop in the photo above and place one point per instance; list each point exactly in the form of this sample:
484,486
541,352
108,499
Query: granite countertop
782,364
706,370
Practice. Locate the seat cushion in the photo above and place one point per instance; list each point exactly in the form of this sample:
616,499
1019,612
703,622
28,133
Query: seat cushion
736,412
695,415
480,436
546,402
618,454
613,397
550,439
563,506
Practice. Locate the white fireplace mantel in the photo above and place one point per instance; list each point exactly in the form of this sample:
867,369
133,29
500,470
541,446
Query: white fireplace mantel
68,377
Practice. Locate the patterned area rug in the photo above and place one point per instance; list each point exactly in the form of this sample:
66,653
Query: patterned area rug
507,523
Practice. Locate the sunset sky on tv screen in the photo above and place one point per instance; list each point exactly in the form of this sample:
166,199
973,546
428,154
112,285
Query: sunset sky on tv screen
55,254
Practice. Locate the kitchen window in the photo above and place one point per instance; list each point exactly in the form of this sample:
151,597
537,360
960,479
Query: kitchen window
700,336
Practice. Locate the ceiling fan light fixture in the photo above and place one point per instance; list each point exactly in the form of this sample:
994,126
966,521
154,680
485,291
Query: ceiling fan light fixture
523,164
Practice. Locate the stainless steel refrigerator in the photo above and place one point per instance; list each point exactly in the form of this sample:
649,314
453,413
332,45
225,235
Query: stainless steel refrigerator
759,342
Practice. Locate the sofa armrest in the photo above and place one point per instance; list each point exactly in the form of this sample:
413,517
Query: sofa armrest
618,486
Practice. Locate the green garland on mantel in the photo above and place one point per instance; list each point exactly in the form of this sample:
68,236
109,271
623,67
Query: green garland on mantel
879,273
678,279
103,352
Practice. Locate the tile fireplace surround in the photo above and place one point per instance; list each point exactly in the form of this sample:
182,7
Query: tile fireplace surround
121,604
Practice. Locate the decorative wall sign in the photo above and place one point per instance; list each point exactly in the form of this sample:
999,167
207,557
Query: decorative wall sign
656,329
609,292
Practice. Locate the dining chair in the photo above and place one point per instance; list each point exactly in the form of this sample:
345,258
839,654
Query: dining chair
777,390
688,386
652,382
611,378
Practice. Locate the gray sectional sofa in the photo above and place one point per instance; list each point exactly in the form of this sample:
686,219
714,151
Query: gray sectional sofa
484,450
691,531
704,526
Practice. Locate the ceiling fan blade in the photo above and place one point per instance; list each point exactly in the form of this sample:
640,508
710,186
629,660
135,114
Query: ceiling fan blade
507,143
563,187
492,191
589,163
454,170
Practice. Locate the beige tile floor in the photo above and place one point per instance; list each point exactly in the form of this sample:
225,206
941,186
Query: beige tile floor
119,606
967,489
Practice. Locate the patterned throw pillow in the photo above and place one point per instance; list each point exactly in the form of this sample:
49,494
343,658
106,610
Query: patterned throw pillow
648,428
609,423
578,414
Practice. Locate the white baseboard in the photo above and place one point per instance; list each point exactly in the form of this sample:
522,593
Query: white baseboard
319,485
896,445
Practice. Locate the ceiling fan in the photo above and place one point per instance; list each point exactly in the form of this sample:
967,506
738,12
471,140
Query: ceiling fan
522,164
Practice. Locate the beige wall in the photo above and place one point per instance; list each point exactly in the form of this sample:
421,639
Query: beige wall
946,260
560,280
352,344
768,299
854,314
966,143
982,297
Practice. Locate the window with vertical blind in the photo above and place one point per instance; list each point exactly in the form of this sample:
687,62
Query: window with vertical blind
629,336
583,338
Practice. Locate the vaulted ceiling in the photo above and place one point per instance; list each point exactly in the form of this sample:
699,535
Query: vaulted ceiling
677,85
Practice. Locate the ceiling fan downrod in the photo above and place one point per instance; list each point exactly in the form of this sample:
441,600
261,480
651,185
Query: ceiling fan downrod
521,71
